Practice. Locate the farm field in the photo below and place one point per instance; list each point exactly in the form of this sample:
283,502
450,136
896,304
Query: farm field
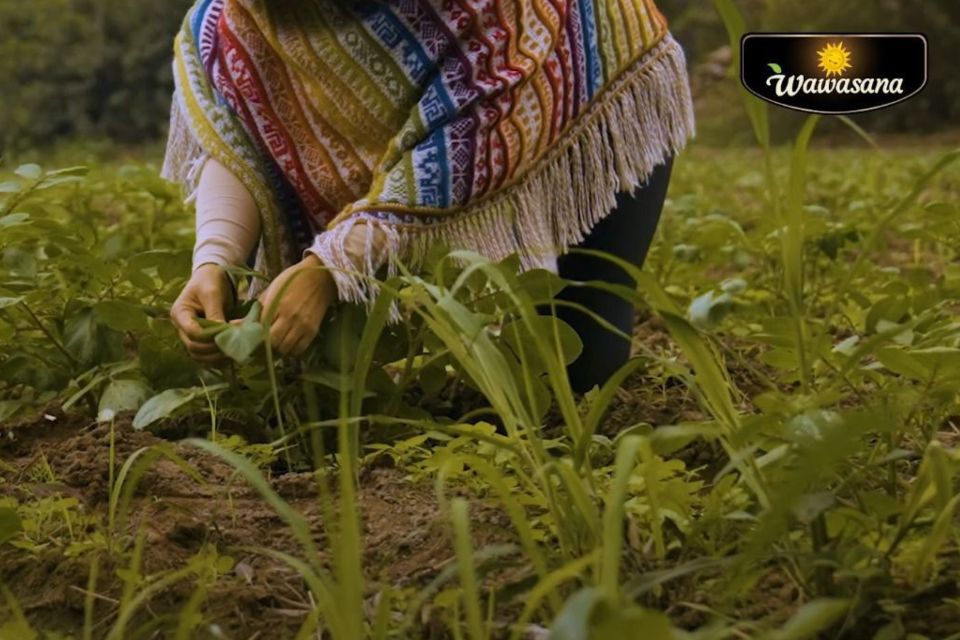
779,462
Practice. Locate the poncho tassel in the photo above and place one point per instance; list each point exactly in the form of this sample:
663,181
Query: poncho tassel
635,124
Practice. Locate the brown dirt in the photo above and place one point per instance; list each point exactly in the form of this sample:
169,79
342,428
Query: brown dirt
405,544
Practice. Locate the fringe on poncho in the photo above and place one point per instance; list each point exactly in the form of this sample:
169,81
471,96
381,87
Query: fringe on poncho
499,126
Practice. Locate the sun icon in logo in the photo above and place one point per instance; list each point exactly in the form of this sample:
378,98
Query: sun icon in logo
834,59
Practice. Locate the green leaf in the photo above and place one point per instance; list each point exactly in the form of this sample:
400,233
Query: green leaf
433,377
709,309
776,68
10,302
541,285
238,342
10,524
686,252
122,395
813,618
934,541
10,186
121,316
756,109
940,360
341,335
164,363
332,380
517,335
573,621
14,220
9,408
613,513
946,210
163,406
77,171
588,615
19,262
709,369
49,183
668,439
808,507
19,629
29,171
734,286
169,264
466,565
903,363
81,335
631,623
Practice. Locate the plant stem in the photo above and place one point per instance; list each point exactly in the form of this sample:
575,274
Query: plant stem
59,345
821,574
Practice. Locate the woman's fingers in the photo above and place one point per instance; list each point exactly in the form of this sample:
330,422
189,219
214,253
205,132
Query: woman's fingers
299,310
290,341
185,319
200,347
204,296
195,348
289,336
281,323
212,301
303,344
279,329
211,361
205,354
266,301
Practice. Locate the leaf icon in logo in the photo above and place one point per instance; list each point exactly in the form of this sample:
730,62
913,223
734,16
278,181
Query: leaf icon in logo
776,68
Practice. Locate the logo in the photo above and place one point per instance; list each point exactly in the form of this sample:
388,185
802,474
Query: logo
834,59
833,73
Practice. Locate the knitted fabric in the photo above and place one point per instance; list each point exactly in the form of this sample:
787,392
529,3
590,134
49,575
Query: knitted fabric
499,126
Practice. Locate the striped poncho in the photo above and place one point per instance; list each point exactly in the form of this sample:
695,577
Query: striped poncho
500,126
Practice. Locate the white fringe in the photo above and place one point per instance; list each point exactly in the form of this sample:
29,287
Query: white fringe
635,124
183,152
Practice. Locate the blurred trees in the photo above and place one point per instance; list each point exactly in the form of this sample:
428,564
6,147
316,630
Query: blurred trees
73,68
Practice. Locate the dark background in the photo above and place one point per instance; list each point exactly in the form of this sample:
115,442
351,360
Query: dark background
100,69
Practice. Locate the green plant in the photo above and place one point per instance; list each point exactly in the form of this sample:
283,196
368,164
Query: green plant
777,461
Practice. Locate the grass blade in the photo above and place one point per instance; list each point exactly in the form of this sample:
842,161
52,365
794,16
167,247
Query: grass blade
613,516
459,513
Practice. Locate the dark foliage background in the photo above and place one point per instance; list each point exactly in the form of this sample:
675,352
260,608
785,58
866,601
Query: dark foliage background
85,68
101,68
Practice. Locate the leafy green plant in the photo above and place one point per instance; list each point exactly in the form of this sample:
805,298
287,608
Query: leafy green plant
788,419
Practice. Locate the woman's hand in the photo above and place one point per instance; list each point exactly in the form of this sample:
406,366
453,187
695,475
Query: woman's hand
205,295
300,305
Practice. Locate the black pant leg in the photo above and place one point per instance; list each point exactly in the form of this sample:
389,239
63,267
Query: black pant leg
627,233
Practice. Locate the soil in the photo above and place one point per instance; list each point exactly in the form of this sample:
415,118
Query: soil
405,544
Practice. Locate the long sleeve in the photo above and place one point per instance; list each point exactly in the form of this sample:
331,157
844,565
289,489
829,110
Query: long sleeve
228,222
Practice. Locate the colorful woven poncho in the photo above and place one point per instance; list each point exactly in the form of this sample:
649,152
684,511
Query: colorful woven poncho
499,126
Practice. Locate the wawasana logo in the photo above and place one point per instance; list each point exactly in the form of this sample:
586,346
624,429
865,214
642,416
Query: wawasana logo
834,73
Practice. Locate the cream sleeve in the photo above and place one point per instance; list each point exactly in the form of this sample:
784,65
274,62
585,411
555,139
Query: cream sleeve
228,224
228,221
